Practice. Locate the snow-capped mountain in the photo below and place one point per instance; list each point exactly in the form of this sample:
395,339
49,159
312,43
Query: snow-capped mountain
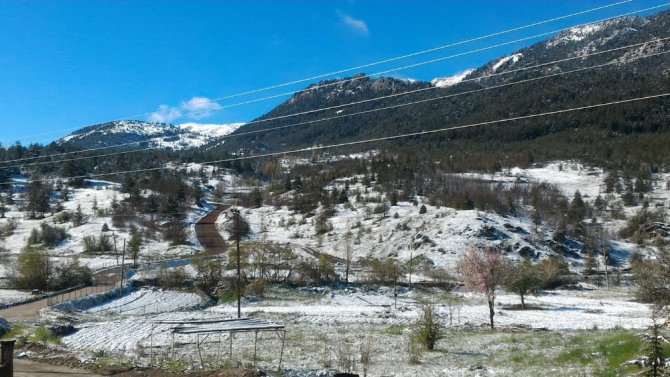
130,134
445,82
616,59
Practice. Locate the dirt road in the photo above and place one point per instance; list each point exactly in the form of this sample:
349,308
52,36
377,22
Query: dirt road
31,310
27,368
208,236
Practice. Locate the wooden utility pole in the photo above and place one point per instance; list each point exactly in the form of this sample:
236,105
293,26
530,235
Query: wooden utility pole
395,286
123,262
606,258
239,280
116,253
411,260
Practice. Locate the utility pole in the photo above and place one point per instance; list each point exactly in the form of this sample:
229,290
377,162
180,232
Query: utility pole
116,253
236,213
411,260
48,271
123,262
395,286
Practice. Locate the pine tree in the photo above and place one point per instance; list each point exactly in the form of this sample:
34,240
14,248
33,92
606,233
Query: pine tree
78,218
394,198
38,199
654,363
134,248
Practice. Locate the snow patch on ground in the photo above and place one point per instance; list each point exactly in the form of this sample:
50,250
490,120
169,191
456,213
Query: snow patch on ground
11,296
148,301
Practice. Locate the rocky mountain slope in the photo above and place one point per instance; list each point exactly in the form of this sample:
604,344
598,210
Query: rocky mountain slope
625,73
131,134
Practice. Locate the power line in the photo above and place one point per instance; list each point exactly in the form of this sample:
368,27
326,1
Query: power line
412,134
336,107
389,60
463,81
373,140
402,57
266,130
432,61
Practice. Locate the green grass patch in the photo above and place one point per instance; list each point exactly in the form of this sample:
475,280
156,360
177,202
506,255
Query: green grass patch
228,296
619,348
396,330
605,352
113,361
575,356
16,332
45,336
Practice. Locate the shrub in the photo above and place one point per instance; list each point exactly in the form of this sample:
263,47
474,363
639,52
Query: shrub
382,272
366,356
554,271
47,235
175,233
429,329
63,217
31,269
172,278
44,336
8,228
71,274
415,351
321,272
256,287
93,244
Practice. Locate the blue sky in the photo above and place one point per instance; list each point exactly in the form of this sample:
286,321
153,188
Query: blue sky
69,64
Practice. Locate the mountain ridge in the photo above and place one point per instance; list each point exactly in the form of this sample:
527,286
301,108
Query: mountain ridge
129,133
616,77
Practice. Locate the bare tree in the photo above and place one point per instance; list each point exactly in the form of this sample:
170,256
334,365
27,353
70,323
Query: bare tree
483,271
652,278
523,279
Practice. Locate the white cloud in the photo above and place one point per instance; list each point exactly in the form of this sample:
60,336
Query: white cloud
200,107
357,26
196,108
165,114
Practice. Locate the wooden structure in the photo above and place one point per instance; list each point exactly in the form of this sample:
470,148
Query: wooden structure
203,329
7,358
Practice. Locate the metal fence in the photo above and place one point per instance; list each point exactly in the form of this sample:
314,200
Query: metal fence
74,294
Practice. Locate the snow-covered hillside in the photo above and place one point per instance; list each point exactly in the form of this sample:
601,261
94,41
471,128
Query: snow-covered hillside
131,134
445,82
94,202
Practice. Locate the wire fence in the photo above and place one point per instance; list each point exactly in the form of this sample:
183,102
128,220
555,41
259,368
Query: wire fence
74,294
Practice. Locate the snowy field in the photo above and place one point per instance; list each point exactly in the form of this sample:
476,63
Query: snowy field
319,320
10,296
148,301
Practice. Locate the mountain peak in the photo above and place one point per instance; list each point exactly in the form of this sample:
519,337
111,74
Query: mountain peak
130,133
